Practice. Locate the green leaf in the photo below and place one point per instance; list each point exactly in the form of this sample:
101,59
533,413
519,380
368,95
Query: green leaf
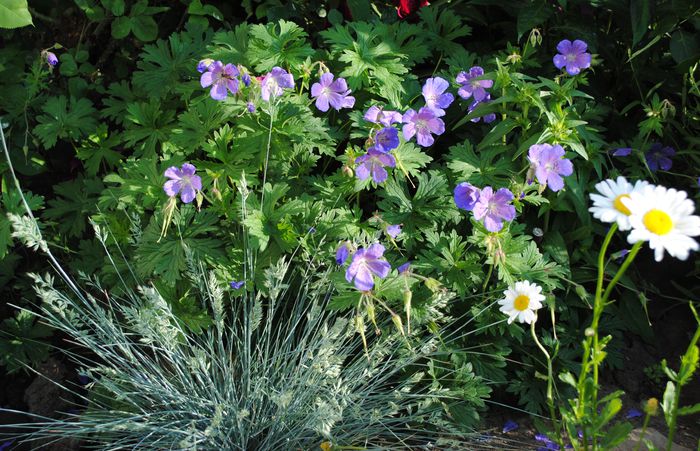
281,44
617,434
532,14
20,341
145,28
689,410
121,27
14,14
116,7
97,152
639,15
63,120
684,46
503,128
410,158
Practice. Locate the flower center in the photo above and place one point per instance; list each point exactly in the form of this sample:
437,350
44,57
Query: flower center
421,125
571,57
658,222
521,302
619,206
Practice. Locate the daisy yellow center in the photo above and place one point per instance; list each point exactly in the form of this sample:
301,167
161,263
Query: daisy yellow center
658,222
619,206
521,302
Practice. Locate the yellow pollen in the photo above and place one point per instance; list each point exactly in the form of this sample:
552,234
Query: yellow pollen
658,222
521,302
619,206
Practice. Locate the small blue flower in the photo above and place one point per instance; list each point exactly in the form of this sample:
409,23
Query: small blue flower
237,284
251,107
510,425
393,230
622,152
342,254
51,58
403,269
633,413
386,139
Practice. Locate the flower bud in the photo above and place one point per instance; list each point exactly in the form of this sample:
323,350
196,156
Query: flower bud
652,406
589,332
347,171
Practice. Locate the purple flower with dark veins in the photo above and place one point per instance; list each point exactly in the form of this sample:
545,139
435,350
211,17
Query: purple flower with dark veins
550,165
573,56
393,230
472,87
488,118
221,79
377,115
274,83
435,96
51,58
373,162
659,157
367,263
466,196
422,124
332,93
494,208
386,139
182,181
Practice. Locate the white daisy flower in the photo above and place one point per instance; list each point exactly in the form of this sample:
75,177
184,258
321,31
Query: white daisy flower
608,205
664,217
521,301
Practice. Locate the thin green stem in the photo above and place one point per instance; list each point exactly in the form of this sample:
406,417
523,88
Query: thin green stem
550,378
267,153
620,272
644,430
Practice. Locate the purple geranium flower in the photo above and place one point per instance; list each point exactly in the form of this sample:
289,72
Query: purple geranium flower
494,208
471,86
250,106
659,157
435,96
423,124
378,115
51,58
245,75
466,196
386,139
182,181
237,284
221,79
332,93
342,253
488,118
622,152
573,56
393,230
549,165
204,64
403,269
365,264
509,426
275,82
373,162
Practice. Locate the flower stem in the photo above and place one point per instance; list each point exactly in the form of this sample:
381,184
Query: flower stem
644,430
267,153
550,378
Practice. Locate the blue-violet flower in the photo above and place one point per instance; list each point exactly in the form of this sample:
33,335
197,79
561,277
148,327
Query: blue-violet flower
573,56
51,58
182,181
221,78
332,93
365,264
377,115
466,196
386,139
373,162
393,230
274,83
549,165
422,124
472,87
494,208
435,96
659,157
